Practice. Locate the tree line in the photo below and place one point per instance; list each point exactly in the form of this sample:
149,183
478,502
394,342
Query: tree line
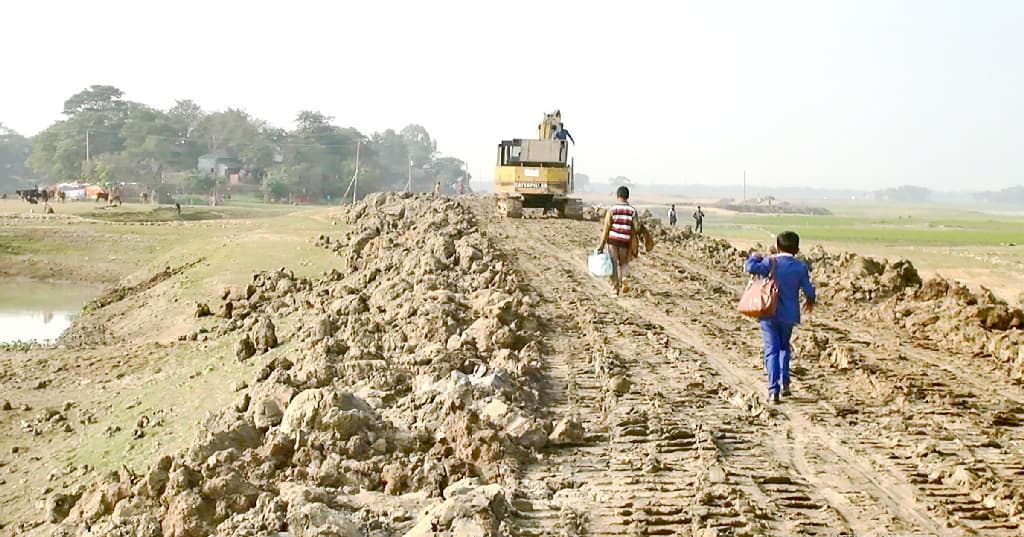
107,139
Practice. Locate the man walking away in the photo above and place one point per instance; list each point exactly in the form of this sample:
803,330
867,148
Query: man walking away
698,218
791,275
672,215
620,223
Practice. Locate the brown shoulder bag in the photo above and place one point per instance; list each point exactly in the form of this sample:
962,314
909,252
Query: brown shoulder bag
761,296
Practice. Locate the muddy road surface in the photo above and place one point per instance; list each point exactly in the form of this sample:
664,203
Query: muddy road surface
885,433
458,374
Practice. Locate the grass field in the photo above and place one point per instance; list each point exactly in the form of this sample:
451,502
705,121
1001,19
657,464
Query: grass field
982,249
149,373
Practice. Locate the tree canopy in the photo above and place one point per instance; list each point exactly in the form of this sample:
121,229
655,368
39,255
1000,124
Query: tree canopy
106,138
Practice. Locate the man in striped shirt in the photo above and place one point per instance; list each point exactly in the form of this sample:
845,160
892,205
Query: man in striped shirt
620,223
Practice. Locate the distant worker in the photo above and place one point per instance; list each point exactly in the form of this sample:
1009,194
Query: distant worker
698,218
620,224
177,208
461,188
672,216
562,133
437,187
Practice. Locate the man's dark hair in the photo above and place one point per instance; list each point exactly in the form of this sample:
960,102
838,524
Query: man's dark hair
788,242
622,192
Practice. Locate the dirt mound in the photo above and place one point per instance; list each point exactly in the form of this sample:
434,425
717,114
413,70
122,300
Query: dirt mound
87,330
852,277
409,386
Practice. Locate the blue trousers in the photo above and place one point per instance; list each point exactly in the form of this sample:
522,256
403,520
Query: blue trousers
776,352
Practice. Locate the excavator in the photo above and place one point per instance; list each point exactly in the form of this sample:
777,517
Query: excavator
536,174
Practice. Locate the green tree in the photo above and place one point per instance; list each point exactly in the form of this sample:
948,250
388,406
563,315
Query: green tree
421,146
906,193
186,116
95,98
318,157
447,170
14,151
247,139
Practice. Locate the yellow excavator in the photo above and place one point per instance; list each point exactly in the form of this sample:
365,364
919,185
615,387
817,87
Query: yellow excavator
536,174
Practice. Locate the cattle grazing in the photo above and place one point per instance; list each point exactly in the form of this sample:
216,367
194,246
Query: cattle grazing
32,195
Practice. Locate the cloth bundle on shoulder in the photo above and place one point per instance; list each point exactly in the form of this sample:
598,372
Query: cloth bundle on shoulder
761,297
600,264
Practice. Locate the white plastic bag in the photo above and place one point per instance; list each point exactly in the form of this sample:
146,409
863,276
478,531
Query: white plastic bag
600,264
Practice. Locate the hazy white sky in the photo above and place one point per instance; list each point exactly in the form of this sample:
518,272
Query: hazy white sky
851,93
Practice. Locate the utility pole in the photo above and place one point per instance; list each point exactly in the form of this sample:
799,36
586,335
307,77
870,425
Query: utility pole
355,176
86,146
744,186
408,185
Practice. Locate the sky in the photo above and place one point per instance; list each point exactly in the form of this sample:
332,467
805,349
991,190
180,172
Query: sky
828,93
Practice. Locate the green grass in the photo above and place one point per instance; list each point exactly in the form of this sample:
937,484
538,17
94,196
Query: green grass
938,230
952,240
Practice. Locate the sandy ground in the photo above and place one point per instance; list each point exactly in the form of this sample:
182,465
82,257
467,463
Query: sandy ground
894,445
832,460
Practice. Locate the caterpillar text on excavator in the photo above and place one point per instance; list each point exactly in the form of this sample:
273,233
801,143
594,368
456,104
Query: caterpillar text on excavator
536,174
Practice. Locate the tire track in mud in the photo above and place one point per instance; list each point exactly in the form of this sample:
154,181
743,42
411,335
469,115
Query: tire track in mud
941,446
681,451
877,502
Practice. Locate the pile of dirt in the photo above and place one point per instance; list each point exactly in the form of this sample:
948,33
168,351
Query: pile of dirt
405,401
850,277
949,314
943,311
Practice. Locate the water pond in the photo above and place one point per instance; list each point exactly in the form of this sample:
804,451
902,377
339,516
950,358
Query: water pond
38,311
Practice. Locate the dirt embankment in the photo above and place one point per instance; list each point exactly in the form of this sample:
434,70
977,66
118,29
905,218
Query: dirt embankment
463,375
414,392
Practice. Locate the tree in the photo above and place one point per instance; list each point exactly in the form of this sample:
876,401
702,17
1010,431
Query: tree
420,146
14,151
907,193
448,171
93,99
186,115
316,156
246,138
622,180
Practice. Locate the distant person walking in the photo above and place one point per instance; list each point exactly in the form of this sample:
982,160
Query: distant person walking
698,219
791,275
621,222
437,187
672,216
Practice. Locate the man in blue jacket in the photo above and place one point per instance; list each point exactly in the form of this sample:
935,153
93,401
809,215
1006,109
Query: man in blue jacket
791,275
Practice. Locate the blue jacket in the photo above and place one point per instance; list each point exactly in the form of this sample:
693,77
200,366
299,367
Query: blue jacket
791,275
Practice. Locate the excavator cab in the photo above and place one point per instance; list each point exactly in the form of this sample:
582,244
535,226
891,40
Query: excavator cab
536,174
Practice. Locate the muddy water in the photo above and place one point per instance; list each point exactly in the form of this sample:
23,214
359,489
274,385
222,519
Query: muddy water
38,311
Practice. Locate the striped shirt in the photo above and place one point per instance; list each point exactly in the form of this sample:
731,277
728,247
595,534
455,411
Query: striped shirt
623,216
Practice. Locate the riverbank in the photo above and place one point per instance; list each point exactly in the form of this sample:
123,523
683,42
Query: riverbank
75,408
